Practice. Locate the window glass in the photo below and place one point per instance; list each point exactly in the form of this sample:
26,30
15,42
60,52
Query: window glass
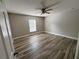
32,25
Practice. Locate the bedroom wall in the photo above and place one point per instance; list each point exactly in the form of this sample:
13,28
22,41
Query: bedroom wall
63,24
20,26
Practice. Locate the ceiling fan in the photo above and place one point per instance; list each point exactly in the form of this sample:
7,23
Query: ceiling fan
46,9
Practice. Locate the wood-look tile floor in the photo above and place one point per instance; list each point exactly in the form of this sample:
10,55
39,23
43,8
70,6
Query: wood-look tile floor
45,46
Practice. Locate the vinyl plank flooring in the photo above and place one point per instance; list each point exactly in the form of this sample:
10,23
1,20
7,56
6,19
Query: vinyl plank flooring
45,46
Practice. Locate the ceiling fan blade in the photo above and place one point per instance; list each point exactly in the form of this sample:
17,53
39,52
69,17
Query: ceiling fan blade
53,5
41,13
49,9
47,12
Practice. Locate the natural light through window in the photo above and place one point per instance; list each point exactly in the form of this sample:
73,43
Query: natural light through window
32,25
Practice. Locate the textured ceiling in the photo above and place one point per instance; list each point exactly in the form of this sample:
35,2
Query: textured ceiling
30,7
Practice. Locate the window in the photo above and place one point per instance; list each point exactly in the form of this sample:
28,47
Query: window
32,25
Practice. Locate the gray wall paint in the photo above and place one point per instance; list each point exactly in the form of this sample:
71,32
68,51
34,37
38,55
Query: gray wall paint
19,24
65,23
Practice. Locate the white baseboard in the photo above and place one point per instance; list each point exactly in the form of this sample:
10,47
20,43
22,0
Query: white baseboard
27,35
63,35
46,32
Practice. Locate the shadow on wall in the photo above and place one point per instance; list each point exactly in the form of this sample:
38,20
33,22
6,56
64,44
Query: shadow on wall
65,23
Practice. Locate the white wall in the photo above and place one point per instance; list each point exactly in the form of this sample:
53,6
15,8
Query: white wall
65,23
77,50
2,49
